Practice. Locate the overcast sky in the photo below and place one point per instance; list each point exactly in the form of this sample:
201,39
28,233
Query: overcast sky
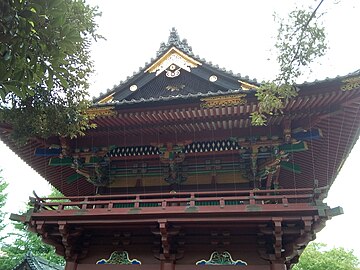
237,35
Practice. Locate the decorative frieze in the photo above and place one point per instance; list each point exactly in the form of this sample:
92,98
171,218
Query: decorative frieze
351,83
221,258
223,101
119,257
101,111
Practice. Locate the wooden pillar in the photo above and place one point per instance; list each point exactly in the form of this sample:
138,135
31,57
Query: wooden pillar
167,265
277,266
70,265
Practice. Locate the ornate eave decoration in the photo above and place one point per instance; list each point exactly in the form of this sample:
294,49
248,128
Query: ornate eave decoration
118,257
247,86
223,258
173,57
174,40
173,88
351,83
101,111
107,99
222,101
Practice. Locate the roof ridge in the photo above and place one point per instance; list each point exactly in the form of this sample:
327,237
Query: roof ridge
35,261
179,96
174,40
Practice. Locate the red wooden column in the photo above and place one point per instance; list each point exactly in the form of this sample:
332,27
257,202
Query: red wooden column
70,265
167,265
277,266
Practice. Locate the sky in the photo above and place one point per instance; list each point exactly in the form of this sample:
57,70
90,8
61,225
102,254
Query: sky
237,35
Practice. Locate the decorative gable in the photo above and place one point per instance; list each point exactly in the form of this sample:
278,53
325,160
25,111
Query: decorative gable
177,73
172,62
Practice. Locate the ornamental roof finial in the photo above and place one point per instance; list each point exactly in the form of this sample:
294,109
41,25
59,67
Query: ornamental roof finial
174,40
174,37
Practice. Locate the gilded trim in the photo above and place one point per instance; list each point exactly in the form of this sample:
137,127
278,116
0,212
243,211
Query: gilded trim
118,257
102,111
158,65
247,86
223,101
351,83
107,99
218,258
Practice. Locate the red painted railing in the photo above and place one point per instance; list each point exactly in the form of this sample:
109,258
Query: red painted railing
188,199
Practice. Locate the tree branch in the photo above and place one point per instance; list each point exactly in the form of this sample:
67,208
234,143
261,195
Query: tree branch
303,31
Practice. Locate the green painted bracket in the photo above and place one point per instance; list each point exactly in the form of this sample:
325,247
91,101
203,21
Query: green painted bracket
94,160
294,147
335,211
191,209
323,209
67,161
253,208
289,166
16,217
72,178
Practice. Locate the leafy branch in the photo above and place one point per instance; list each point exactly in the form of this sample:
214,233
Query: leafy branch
300,41
45,65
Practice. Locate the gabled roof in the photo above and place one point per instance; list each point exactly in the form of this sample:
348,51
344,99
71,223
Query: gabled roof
31,262
203,109
176,73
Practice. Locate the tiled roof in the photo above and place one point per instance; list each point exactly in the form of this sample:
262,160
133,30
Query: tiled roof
178,97
322,105
36,263
173,41
338,77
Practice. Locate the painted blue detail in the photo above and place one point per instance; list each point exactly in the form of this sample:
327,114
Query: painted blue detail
312,134
46,152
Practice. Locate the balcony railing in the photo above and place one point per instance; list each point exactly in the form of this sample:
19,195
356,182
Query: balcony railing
153,202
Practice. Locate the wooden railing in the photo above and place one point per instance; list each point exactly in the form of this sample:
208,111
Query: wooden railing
220,199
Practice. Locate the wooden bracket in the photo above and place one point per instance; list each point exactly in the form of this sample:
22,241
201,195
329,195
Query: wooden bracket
278,237
166,232
164,239
69,238
287,130
308,221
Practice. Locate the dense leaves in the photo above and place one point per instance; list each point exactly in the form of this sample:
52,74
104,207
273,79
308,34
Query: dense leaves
20,241
317,257
25,241
300,41
48,113
3,196
45,64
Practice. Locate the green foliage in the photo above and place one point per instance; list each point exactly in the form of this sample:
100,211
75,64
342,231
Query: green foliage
48,113
317,257
44,65
300,41
23,241
271,98
3,196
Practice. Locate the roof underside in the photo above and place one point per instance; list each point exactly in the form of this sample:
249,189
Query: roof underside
321,106
179,98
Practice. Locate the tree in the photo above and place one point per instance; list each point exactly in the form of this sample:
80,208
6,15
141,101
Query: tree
317,257
300,41
3,196
44,66
24,241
